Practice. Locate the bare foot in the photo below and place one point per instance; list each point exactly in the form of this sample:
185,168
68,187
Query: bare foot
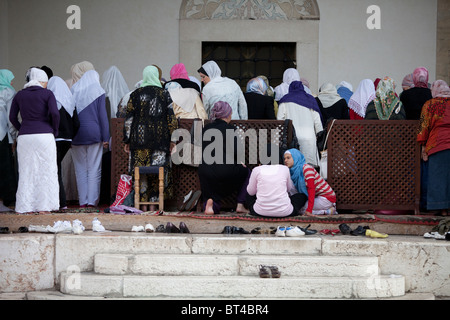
309,214
241,209
209,207
44,212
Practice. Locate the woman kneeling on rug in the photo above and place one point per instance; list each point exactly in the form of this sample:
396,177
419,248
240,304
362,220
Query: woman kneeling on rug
218,180
321,198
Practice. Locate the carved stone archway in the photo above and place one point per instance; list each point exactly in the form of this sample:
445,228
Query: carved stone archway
251,21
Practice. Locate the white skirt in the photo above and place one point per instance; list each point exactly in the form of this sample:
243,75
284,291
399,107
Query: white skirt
38,188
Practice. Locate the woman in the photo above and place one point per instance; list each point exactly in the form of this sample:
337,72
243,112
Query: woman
149,123
386,106
218,88
115,87
304,112
331,104
8,182
38,188
218,177
321,198
68,127
259,105
289,76
92,137
179,74
414,98
187,103
364,94
408,82
434,137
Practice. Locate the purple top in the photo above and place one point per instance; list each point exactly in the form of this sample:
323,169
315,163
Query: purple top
94,125
38,109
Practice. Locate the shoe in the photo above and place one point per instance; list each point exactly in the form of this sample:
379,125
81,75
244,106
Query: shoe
264,272
294,232
227,230
185,201
137,229
184,228
149,228
307,231
97,226
23,229
192,203
275,272
281,232
359,231
434,235
77,227
161,228
345,229
236,230
4,230
170,228
374,234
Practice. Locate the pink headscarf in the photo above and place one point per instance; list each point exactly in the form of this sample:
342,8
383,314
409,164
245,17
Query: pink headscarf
440,89
420,77
179,71
408,81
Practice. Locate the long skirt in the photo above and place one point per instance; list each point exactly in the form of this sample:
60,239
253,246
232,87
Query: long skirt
38,188
438,193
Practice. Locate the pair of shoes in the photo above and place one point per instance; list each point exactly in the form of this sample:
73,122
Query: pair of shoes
328,231
289,232
434,235
259,230
4,230
307,231
23,229
264,272
190,201
171,228
234,230
345,229
148,228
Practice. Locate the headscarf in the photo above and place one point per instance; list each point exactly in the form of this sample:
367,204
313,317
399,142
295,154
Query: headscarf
408,81
364,94
440,89
63,95
151,77
345,90
376,82
386,100
6,77
328,95
221,110
257,85
79,69
87,90
179,71
298,95
289,76
198,82
183,97
115,87
420,77
212,70
36,77
297,170
269,91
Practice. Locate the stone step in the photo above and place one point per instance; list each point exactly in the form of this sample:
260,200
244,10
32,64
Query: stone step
233,265
238,287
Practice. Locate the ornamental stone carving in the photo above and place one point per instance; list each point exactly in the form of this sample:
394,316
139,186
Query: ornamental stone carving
249,10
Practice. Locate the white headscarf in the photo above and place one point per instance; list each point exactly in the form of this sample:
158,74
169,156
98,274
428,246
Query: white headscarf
289,76
328,95
183,97
87,89
115,87
345,84
79,69
62,93
36,77
364,94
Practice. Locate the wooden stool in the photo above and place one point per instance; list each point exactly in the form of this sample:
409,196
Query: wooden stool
149,170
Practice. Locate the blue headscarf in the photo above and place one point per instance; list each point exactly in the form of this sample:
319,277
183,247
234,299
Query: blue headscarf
345,93
257,85
297,171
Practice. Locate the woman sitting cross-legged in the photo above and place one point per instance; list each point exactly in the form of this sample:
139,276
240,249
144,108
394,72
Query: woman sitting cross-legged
321,198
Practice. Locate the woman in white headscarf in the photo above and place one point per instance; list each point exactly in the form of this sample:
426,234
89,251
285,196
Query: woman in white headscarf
364,94
289,76
218,88
115,88
92,137
331,104
68,127
186,102
8,183
38,188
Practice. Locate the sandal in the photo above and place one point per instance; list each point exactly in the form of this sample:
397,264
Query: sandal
263,272
275,272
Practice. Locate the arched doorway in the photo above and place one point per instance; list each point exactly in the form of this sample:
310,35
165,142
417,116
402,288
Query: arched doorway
251,21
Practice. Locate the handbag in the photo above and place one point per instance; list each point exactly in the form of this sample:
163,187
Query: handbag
123,189
323,162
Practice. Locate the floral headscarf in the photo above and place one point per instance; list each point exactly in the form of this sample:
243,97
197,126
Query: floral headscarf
386,100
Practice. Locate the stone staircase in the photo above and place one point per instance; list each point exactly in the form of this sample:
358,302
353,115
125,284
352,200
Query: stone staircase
227,267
